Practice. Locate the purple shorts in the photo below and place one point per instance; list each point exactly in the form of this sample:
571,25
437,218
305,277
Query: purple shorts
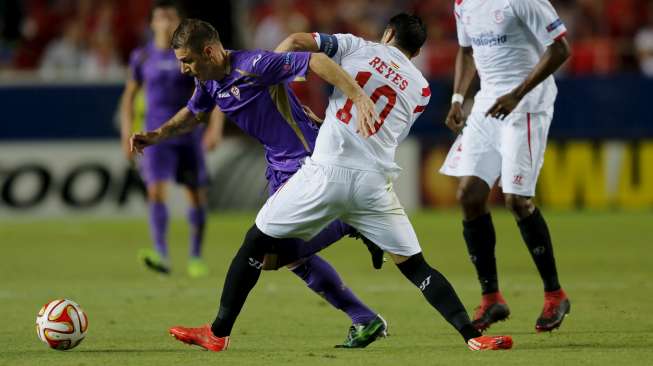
183,163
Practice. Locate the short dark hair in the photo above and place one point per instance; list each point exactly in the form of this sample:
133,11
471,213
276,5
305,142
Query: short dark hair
168,4
410,31
194,34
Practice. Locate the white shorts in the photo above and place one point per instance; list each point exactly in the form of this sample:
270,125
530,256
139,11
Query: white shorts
512,149
318,194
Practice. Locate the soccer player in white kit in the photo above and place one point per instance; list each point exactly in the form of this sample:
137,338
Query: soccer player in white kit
515,46
349,176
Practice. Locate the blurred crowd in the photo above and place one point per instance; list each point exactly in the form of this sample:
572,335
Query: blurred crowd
92,39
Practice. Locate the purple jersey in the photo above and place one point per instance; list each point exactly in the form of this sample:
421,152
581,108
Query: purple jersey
166,89
256,96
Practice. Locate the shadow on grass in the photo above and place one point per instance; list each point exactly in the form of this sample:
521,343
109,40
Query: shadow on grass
107,350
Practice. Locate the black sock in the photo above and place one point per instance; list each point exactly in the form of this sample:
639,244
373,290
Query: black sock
481,240
536,236
439,293
242,276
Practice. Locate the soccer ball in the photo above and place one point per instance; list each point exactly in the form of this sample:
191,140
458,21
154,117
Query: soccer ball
61,324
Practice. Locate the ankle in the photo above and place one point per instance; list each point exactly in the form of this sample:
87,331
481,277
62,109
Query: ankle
557,294
493,297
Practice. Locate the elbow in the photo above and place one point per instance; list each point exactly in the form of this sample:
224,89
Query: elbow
317,59
292,42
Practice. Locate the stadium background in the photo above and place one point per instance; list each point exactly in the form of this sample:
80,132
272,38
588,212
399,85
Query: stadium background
72,212
62,67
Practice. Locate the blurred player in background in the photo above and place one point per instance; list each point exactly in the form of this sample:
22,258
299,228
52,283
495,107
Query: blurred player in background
349,177
515,46
155,69
252,89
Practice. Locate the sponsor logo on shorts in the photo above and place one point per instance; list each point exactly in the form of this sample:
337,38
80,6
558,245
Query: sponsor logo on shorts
518,180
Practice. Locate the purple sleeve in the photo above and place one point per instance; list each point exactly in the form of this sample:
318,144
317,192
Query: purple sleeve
278,68
136,61
201,101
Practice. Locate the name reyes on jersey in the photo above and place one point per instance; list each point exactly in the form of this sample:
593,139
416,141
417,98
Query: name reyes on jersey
388,71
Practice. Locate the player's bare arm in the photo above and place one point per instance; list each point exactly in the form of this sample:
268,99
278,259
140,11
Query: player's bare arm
214,130
464,74
298,42
127,114
333,74
556,54
182,122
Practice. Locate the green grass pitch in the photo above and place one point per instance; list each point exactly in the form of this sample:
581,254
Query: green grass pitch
604,260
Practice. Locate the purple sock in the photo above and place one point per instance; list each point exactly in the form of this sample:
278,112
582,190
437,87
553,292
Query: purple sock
196,219
322,278
159,227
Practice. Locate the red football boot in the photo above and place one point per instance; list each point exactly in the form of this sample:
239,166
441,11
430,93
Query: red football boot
493,308
201,336
556,307
490,343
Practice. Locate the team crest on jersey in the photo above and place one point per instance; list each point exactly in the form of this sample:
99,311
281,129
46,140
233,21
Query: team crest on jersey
235,92
499,17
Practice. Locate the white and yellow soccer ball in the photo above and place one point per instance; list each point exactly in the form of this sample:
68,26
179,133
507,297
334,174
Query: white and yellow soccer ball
61,324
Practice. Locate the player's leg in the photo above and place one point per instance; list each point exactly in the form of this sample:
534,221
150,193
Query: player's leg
318,274
282,215
480,238
325,238
242,276
335,231
523,146
386,223
475,159
192,173
197,199
157,168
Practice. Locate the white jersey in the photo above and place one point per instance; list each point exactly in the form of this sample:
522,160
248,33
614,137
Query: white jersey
508,38
398,89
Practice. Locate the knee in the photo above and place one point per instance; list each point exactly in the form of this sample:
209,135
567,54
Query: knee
410,265
257,243
470,197
156,193
197,197
520,206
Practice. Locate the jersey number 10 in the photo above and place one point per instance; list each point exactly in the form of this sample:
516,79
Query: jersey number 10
344,114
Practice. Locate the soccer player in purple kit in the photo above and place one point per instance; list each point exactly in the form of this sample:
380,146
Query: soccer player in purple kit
251,88
155,68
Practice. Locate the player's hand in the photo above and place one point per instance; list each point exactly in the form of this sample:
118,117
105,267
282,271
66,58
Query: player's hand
126,148
311,115
455,120
210,140
367,116
141,140
503,106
